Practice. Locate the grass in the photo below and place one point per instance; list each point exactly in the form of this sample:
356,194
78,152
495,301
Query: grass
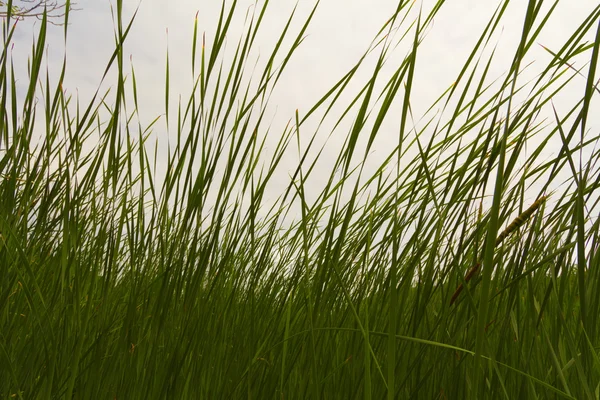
122,279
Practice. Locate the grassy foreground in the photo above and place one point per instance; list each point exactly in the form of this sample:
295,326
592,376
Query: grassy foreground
465,265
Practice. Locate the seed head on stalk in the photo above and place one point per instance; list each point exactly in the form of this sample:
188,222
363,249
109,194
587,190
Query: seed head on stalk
512,227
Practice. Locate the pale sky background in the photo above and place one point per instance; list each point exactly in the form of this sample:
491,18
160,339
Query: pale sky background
339,34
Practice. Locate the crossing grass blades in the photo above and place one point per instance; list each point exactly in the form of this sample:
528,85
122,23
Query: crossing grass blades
138,264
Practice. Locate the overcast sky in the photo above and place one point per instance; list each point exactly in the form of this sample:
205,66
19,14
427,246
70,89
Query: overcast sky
339,34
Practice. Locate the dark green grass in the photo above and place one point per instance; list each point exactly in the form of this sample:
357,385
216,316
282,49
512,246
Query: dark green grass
116,283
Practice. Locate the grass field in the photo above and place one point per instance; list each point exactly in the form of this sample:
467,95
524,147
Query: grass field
465,265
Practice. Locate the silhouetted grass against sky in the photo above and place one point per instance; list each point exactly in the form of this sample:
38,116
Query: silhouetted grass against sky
337,38
278,200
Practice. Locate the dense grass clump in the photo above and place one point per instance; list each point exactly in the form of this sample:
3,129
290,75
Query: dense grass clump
465,265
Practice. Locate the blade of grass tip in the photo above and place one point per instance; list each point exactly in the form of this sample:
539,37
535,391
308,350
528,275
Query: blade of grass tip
298,41
490,27
167,84
36,62
390,94
203,77
194,41
572,46
67,12
568,64
220,35
269,65
113,129
361,119
14,98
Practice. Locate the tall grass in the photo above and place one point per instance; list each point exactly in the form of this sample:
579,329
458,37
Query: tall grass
124,280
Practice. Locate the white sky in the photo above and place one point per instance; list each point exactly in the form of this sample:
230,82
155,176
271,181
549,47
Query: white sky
339,34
